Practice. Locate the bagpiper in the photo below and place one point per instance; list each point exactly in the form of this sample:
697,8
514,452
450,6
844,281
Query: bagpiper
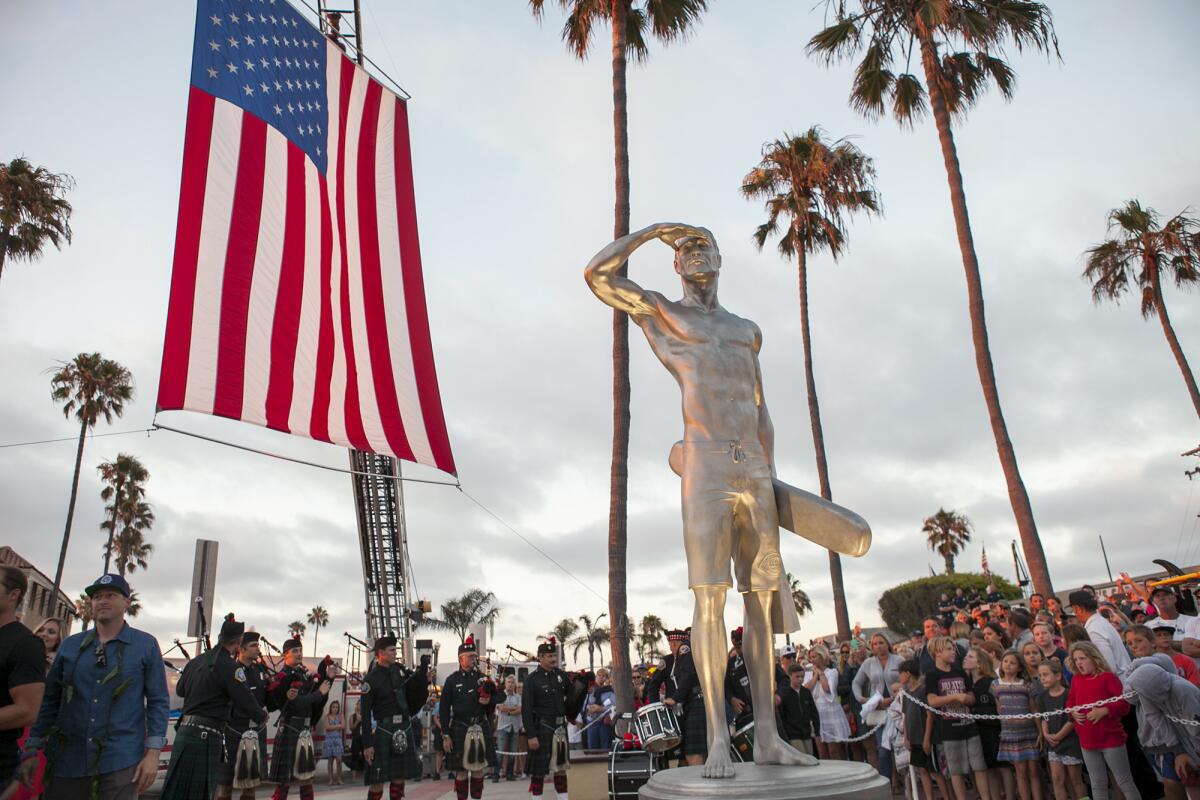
300,696
469,700
210,684
245,761
737,682
391,695
550,698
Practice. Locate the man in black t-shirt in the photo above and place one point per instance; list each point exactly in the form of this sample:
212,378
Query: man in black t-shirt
948,689
22,672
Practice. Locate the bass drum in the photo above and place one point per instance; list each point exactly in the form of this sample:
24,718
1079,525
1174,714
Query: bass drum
628,771
742,743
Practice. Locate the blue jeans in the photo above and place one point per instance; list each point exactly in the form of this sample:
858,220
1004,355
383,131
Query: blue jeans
885,756
506,742
599,736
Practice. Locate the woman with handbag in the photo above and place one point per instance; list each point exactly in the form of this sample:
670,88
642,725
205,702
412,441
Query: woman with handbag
876,677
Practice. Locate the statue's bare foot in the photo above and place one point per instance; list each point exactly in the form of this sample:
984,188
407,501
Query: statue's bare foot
777,751
718,764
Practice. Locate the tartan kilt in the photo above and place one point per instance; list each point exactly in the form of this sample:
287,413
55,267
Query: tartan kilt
233,738
196,756
388,766
538,761
458,746
694,727
283,755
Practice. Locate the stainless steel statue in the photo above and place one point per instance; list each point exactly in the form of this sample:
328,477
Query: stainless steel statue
732,504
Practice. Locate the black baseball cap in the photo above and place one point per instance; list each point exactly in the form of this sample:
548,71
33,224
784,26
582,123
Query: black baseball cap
109,581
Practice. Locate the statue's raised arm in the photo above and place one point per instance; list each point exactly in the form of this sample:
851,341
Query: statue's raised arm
619,291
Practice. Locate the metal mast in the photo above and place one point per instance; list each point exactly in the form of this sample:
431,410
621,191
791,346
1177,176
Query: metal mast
378,494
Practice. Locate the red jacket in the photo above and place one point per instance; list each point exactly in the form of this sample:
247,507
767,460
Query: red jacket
1108,731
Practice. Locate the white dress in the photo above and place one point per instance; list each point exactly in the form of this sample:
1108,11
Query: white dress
834,724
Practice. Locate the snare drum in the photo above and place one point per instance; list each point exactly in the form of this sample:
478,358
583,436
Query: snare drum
658,727
742,743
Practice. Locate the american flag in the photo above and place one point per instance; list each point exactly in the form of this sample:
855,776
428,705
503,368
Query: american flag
984,562
297,300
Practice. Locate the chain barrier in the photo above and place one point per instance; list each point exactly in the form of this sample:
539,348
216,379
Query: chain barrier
853,739
1028,715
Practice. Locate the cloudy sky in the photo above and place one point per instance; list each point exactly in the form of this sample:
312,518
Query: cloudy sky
512,150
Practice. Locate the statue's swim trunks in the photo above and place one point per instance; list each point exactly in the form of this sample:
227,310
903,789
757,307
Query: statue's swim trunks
729,514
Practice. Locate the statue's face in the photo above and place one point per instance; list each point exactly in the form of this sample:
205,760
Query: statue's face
698,261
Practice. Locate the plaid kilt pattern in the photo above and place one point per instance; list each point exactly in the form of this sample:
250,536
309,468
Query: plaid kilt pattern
694,727
196,757
539,760
388,766
233,738
283,755
458,747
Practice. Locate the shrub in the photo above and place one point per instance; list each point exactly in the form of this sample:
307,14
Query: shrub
903,607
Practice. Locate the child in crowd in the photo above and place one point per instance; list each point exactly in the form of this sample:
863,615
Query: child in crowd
1062,745
918,732
982,670
1020,740
1032,658
1100,733
947,689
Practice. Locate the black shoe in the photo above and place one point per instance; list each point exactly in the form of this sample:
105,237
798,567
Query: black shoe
510,777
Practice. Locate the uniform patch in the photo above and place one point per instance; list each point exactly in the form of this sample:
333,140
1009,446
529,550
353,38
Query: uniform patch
240,674
366,687
683,648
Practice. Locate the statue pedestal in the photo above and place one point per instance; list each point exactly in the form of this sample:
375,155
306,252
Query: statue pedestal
844,780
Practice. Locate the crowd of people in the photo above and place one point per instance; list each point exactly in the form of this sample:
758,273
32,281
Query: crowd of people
1090,697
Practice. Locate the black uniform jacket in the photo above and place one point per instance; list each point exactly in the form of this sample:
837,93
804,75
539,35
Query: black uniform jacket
308,703
461,698
215,685
390,697
737,682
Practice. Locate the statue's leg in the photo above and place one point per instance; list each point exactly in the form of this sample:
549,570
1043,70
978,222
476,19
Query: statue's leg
708,654
769,746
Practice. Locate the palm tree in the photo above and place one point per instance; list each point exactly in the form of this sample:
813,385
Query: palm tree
1138,253
33,210
83,609
652,629
318,618
296,629
474,607
93,387
812,186
800,597
594,635
131,546
632,23
947,533
124,484
960,44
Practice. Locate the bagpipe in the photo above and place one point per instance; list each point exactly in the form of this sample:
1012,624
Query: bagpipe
297,676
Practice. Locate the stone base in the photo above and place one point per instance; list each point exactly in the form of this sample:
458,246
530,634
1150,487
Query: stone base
845,780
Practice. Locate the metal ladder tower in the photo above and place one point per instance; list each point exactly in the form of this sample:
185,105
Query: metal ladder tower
378,493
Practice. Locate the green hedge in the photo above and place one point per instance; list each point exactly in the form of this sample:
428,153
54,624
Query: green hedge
903,607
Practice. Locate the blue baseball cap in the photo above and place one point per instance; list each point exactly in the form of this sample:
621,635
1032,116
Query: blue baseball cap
109,581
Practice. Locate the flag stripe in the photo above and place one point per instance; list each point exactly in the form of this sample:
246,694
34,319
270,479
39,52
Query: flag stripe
360,393
383,387
176,348
305,370
414,292
264,286
322,386
408,409
289,298
210,259
239,268
351,107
